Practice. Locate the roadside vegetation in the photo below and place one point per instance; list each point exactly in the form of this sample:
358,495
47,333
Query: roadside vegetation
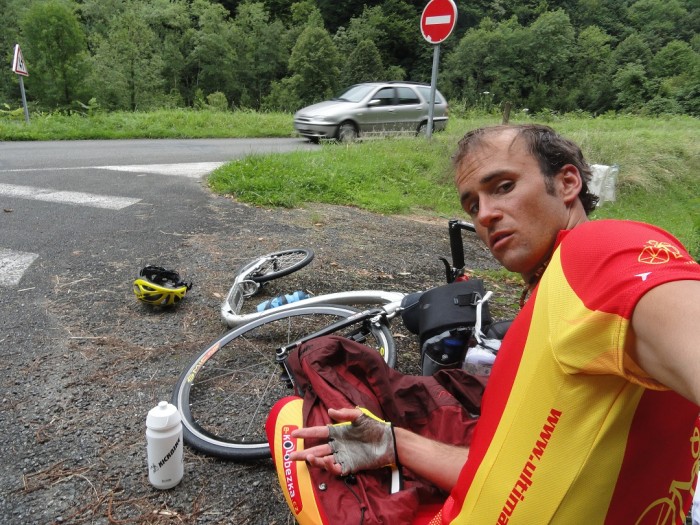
657,182
163,123
640,56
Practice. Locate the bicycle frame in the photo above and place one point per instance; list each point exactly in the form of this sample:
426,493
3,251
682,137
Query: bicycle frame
375,316
241,288
244,287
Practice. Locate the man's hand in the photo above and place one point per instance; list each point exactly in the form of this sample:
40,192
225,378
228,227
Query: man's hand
360,441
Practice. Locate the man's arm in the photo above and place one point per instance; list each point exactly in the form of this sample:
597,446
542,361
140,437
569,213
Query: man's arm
666,326
436,462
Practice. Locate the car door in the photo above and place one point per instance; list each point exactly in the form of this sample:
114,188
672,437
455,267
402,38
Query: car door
381,111
410,109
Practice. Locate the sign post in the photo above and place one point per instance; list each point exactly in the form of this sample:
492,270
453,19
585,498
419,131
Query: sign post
436,23
19,67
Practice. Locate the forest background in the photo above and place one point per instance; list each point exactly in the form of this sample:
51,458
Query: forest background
562,56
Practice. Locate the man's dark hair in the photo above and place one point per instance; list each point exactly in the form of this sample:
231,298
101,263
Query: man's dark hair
551,150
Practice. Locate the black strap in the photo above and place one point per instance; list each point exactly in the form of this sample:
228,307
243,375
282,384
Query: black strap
159,275
470,299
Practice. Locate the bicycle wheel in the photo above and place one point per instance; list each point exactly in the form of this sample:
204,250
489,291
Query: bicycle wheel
225,394
282,263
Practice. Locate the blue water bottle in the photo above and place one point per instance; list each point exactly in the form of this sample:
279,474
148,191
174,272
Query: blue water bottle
282,299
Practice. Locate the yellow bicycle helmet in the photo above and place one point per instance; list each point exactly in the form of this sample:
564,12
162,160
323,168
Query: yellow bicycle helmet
159,286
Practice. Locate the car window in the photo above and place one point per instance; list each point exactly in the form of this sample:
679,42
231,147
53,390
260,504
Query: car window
385,96
407,96
425,91
355,93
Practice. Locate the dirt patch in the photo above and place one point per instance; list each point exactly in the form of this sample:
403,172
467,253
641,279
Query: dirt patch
78,402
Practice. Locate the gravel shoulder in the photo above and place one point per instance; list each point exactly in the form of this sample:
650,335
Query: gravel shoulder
74,408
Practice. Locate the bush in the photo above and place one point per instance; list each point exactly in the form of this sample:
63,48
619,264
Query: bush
7,112
662,106
217,101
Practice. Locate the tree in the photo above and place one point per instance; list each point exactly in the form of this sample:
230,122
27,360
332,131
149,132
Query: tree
658,21
211,63
590,86
676,68
56,50
337,14
314,66
363,65
675,58
562,54
631,87
548,50
9,36
96,16
303,14
392,27
172,23
608,15
487,59
127,63
632,50
261,55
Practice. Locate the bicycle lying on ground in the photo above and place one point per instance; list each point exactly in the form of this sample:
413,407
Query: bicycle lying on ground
225,393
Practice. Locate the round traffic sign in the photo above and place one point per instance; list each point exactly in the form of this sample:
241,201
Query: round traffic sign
438,20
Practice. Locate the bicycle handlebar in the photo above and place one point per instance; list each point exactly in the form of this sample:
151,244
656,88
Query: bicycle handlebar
455,227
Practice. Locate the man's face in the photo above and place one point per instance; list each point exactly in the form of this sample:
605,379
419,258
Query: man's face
502,188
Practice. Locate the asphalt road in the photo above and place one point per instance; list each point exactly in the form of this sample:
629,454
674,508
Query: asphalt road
64,204
77,222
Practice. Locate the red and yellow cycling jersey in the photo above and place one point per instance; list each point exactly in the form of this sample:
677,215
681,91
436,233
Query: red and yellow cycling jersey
572,430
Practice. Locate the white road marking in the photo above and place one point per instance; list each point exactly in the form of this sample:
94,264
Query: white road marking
67,197
192,170
13,265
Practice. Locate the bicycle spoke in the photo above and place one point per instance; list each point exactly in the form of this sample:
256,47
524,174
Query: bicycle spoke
230,389
246,372
257,411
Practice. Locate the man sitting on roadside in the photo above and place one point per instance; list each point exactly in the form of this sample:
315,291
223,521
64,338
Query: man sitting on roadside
591,413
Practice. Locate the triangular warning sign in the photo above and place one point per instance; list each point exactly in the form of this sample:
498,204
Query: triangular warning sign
18,65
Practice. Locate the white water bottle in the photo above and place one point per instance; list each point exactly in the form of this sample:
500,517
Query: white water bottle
164,445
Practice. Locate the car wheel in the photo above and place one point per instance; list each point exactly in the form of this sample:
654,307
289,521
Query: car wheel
422,129
347,132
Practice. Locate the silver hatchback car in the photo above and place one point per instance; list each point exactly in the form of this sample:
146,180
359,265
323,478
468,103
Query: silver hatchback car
372,108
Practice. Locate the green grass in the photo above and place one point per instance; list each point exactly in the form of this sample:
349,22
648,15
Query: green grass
176,123
658,158
393,176
658,180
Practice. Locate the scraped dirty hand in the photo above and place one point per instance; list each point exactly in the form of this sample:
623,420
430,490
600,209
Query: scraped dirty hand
359,441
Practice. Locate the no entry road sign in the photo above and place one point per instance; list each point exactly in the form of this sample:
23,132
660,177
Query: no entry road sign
438,20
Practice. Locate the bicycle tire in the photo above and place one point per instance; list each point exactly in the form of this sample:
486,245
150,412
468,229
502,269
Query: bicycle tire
282,263
226,392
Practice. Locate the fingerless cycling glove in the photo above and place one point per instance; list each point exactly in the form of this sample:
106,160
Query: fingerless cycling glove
364,444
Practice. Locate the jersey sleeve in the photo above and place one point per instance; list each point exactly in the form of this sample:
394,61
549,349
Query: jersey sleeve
604,268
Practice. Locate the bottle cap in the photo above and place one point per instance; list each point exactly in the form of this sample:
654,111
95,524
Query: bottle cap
453,342
163,416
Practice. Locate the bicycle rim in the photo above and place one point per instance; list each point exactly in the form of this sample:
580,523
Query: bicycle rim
282,263
226,393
